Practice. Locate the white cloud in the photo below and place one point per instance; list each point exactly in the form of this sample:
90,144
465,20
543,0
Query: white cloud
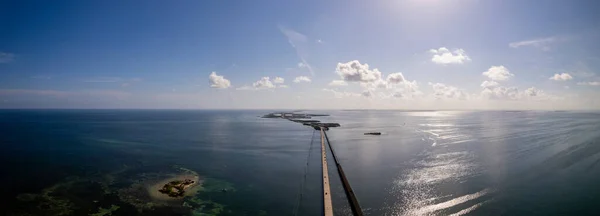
301,79
397,95
501,93
6,57
395,78
338,83
282,86
372,82
444,56
319,41
498,73
445,91
367,93
354,71
589,83
278,80
406,88
489,84
561,77
513,93
533,92
301,65
381,84
541,43
217,81
263,83
245,88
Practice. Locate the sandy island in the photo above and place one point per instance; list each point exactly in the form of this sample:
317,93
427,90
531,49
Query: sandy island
188,189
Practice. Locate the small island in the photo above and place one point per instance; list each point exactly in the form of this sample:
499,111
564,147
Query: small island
176,188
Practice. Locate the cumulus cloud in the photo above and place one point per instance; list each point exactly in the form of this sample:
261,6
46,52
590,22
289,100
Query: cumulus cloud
372,81
397,95
533,92
513,93
367,93
338,83
489,84
301,79
354,71
444,56
501,93
561,77
498,73
282,86
278,80
441,90
263,83
381,84
395,78
589,83
217,81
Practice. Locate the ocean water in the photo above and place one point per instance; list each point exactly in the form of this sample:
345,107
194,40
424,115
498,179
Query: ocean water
95,162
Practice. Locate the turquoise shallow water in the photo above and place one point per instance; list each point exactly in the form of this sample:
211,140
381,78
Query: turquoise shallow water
82,162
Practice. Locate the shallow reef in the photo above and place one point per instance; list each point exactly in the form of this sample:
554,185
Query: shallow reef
127,191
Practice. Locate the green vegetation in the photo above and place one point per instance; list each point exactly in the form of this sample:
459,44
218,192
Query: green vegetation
104,212
204,207
214,185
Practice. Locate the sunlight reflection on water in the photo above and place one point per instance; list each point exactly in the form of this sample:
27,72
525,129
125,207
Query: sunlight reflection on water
419,187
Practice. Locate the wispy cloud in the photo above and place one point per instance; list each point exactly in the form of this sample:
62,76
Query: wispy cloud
299,42
60,94
6,57
41,77
542,43
338,83
589,83
53,93
342,94
103,80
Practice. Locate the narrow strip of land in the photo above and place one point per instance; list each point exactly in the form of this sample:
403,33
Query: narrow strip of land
327,208
356,210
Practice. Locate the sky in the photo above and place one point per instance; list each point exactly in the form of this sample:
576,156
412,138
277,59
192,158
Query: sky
380,54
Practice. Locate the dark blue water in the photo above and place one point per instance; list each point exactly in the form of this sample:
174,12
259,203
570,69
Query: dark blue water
81,162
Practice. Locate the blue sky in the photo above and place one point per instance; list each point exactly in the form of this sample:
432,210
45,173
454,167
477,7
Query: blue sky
403,54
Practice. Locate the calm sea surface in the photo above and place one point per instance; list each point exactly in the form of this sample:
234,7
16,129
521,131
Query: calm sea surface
101,162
